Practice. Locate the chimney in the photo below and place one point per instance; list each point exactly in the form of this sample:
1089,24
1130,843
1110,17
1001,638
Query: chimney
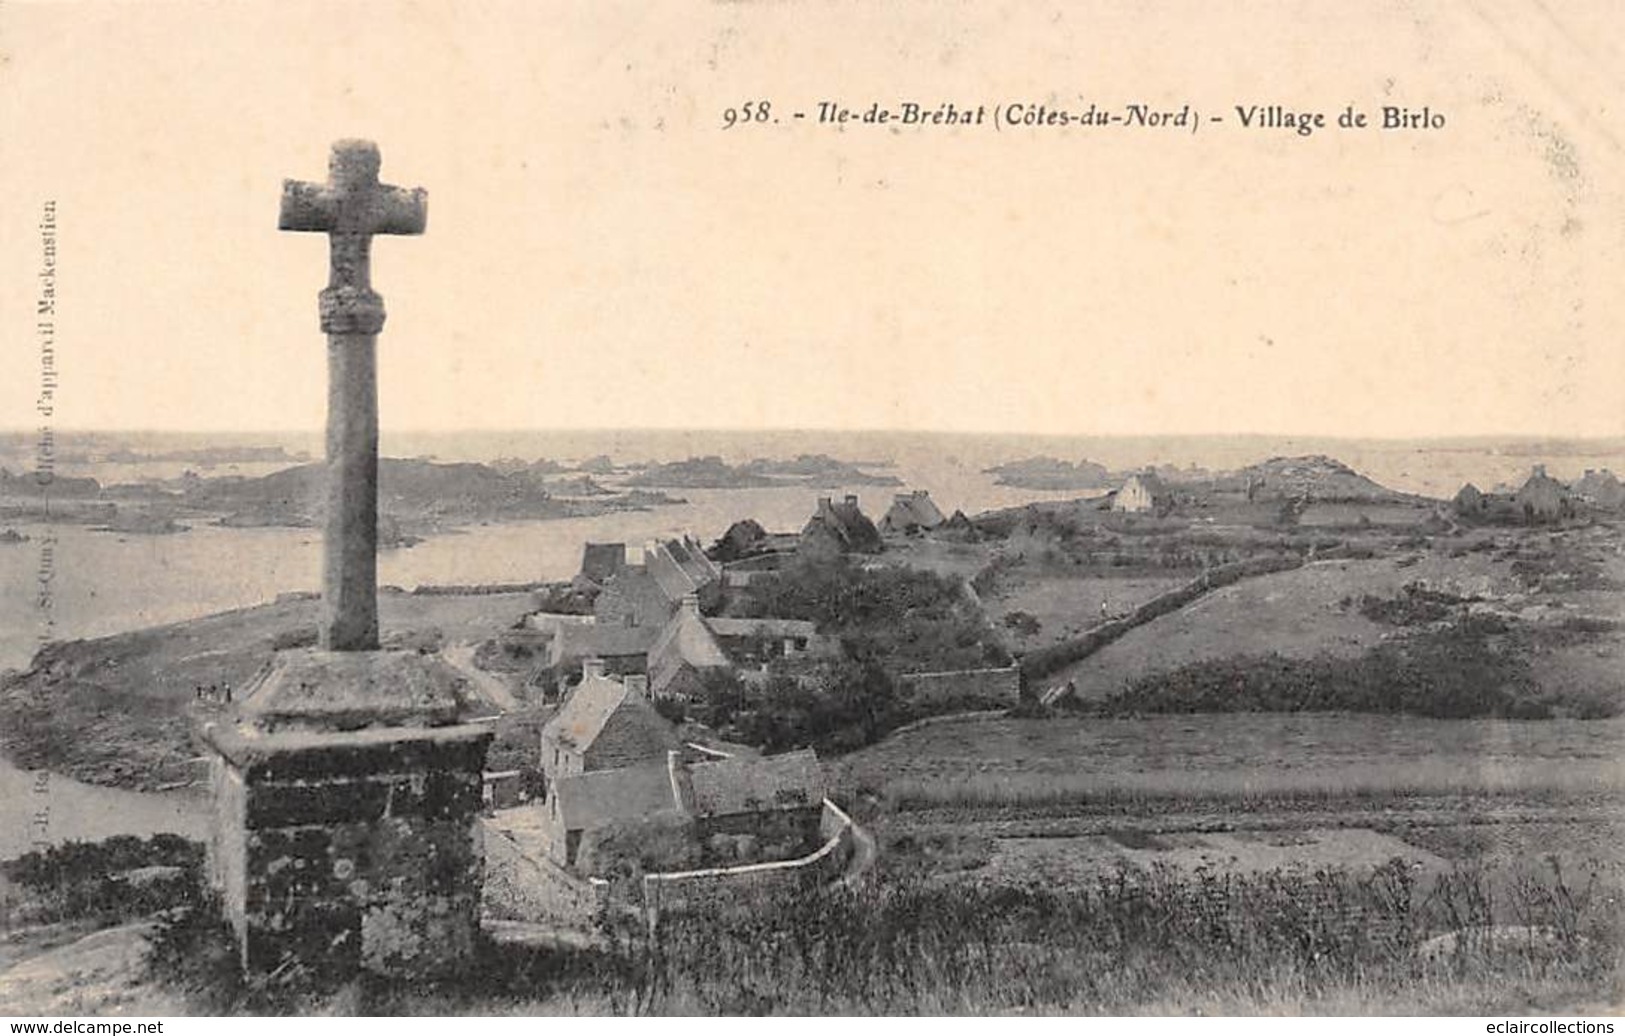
592,668
1539,471
852,499
691,604
650,548
904,498
636,683
823,504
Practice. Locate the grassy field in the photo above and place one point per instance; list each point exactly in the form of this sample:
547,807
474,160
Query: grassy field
1312,611
992,763
1332,941
1067,605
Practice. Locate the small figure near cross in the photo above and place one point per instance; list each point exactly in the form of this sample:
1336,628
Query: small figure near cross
350,208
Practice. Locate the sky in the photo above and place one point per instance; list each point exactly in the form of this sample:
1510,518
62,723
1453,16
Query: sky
602,252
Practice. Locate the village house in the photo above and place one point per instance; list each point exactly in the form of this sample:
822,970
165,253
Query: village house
1544,499
1540,499
910,514
692,644
1601,489
839,528
600,561
742,796
647,594
604,724
623,649
582,802
958,529
1143,493
1469,501
608,757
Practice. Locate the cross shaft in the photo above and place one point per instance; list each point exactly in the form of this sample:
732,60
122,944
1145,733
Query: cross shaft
351,207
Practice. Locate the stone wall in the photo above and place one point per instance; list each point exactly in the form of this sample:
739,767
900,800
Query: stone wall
1041,663
521,886
720,888
348,851
964,687
506,789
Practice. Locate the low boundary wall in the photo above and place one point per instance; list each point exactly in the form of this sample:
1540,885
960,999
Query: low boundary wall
1041,663
718,887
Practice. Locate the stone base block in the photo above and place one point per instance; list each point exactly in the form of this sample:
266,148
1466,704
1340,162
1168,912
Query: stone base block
350,850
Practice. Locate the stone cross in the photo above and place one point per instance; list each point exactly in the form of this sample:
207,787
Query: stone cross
351,207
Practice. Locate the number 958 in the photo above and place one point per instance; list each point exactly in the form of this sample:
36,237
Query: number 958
750,111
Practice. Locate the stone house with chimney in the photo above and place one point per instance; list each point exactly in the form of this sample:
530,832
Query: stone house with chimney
648,593
604,724
839,528
1143,493
1469,501
693,644
1544,499
684,651
1600,489
732,795
910,514
609,758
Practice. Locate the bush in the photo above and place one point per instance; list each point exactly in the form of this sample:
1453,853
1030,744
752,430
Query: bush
1415,605
1024,623
623,851
903,618
109,881
1461,671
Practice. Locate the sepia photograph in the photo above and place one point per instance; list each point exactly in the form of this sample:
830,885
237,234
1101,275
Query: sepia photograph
814,508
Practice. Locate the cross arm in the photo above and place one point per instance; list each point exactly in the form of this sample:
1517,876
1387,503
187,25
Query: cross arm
396,210
308,206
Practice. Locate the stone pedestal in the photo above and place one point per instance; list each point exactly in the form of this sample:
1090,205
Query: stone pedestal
346,832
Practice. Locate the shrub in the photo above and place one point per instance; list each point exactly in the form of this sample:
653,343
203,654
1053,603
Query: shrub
1460,671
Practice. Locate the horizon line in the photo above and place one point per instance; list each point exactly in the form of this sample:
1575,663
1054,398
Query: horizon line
35,430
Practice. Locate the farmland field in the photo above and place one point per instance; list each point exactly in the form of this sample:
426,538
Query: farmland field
1066,605
1309,611
1064,801
1237,754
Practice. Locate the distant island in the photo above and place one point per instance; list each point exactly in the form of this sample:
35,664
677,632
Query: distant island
817,469
1051,473
420,497
208,456
713,472
143,523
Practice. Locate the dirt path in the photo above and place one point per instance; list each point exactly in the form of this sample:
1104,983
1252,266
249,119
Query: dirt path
461,656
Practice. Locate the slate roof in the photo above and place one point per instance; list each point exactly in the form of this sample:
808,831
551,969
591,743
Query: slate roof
590,707
1601,487
605,640
633,589
847,523
731,786
626,794
727,628
680,567
914,510
599,561
686,640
